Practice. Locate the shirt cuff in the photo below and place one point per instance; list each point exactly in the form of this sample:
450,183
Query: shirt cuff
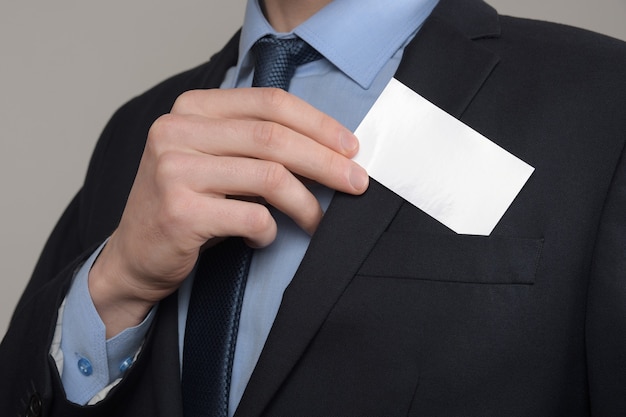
90,362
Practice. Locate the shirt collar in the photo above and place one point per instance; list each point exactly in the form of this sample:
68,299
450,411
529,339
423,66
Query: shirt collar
357,36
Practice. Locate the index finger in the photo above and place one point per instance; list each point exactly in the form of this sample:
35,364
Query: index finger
270,104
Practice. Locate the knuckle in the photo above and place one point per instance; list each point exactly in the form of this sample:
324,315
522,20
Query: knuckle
162,130
263,134
323,122
274,176
168,167
274,98
258,220
173,211
329,162
185,102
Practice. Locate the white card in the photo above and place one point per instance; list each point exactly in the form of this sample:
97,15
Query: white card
437,163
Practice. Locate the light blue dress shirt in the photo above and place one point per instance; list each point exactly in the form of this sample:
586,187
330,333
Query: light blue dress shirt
362,43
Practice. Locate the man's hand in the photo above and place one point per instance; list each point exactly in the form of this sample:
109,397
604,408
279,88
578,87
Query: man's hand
214,145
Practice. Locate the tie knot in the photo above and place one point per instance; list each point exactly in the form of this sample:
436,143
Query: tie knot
276,60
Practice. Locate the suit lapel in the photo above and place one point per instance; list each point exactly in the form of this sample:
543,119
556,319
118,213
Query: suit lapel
446,67
443,63
332,259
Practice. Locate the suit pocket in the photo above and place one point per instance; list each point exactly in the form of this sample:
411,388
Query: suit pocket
454,258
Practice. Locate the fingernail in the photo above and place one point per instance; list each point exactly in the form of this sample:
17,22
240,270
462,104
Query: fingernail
359,178
349,142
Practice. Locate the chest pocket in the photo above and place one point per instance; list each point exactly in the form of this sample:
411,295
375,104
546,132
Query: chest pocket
454,258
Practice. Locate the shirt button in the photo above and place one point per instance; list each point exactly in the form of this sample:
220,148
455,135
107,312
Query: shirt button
126,364
84,366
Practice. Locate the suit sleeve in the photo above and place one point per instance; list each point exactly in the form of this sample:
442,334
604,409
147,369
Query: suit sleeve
606,311
24,353
26,369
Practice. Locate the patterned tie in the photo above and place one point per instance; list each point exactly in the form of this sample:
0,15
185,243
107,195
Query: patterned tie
217,295
276,60
211,330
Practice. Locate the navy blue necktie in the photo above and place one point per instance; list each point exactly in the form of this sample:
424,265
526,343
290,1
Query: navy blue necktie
211,330
220,279
276,60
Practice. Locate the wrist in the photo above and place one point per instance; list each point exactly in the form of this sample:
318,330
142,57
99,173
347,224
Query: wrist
119,305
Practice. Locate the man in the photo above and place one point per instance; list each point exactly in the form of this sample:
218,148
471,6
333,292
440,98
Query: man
388,312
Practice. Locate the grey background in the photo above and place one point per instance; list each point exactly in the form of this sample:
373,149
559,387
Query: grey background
66,65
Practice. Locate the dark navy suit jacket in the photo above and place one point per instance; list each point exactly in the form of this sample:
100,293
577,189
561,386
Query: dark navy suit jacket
390,312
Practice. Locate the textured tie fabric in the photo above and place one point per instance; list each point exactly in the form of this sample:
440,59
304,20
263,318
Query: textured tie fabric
276,60
217,294
211,330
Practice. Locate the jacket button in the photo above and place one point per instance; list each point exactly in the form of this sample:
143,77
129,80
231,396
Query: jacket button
34,406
